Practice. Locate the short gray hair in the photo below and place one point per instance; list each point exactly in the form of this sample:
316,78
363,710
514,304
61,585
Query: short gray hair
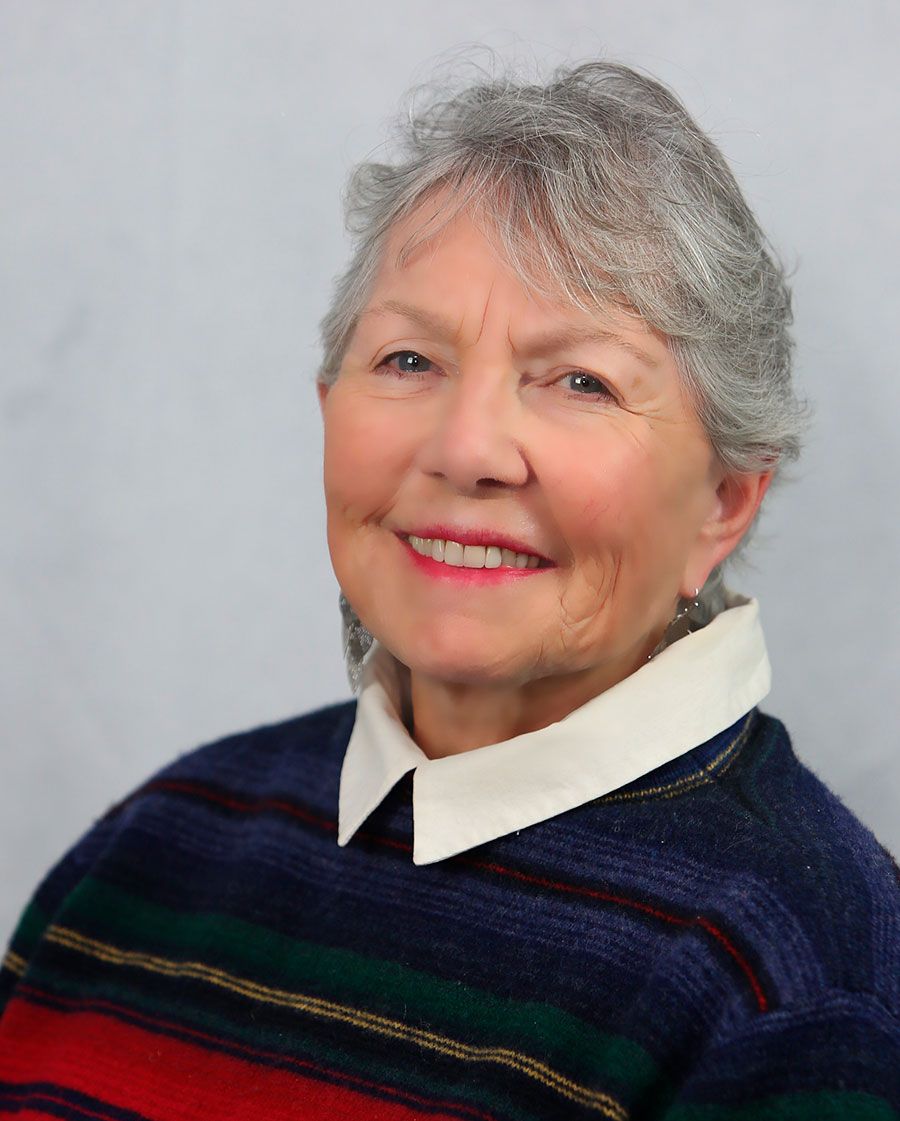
603,189
599,187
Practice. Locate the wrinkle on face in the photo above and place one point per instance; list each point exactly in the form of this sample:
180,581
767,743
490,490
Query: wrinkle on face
484,314
616,490
580,608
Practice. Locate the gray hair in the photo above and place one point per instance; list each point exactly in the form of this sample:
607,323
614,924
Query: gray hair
599,187
603,189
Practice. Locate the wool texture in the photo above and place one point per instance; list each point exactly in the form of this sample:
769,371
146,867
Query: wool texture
717,941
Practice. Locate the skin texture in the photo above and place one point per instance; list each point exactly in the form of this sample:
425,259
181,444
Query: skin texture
610,477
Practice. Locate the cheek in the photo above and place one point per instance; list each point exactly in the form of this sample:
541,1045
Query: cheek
600,495
623,502
362,459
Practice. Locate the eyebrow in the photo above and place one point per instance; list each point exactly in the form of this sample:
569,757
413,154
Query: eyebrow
574,335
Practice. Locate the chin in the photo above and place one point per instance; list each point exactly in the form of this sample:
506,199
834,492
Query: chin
466,653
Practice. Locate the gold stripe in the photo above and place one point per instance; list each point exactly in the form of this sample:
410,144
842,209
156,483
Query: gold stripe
14,962
682,785
326,1009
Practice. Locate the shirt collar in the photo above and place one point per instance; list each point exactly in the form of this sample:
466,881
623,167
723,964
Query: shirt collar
691,691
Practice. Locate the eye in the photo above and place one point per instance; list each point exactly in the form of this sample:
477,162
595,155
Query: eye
581,384
406,362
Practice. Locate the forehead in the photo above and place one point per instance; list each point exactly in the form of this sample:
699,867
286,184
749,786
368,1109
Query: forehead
444,231
448,272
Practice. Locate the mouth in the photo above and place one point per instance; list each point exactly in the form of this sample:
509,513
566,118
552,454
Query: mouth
477,551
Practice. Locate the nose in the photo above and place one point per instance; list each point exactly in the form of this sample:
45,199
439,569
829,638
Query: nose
473,438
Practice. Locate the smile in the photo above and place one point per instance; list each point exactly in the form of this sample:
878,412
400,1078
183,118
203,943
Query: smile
470,556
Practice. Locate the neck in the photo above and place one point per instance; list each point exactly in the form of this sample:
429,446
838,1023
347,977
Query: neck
448,717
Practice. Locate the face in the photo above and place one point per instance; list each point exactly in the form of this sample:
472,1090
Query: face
479,423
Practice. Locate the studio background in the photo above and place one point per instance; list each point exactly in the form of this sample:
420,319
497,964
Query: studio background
169,229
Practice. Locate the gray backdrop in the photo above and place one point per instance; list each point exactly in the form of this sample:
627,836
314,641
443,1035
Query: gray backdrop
169,227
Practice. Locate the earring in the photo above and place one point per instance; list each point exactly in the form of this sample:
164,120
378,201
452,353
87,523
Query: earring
356,642
682,624
686,606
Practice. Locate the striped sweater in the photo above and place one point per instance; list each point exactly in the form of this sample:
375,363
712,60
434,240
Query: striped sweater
718,941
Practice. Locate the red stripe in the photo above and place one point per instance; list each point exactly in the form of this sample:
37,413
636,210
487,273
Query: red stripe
761,999
258,805
141,1070
54,1099
38,1114
242,805
33,1115
160,1023
646,908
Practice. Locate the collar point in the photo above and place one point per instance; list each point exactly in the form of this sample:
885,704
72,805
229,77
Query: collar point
423,856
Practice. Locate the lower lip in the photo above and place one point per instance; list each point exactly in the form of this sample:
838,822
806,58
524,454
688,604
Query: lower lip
461,575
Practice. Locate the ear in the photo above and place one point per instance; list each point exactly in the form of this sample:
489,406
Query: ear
737,500
322,391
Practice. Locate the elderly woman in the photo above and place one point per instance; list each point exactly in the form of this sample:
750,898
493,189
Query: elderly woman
553,862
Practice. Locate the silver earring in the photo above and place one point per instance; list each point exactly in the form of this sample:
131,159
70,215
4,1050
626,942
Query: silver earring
356,642
686,606
684,622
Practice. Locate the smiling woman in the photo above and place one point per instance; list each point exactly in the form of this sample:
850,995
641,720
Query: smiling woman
500,415
553,862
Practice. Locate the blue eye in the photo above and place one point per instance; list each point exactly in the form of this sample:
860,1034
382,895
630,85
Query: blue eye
407,362
583,384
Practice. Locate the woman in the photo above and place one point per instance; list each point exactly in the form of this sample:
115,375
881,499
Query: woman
553,862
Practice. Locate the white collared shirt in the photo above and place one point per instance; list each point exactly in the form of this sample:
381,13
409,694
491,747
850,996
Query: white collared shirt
688,693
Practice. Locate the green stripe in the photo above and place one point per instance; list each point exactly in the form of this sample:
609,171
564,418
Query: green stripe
567,1043
26,937
485,1095
840,1105
28,933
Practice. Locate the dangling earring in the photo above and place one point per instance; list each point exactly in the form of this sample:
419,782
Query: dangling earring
682,624
686,606
356,642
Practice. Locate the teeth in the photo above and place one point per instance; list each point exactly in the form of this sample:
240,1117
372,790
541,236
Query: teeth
471,556
453,553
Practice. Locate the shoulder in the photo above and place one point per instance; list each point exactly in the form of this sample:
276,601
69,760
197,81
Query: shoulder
301,744
302,750
301,755
754,860
293,762
810,870
802,818
286,769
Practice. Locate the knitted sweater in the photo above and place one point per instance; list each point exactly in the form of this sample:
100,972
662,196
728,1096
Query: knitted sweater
718,940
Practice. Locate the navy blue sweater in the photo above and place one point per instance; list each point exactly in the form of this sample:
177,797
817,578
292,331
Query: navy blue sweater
718,940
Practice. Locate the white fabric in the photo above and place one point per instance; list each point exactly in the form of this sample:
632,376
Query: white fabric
691,691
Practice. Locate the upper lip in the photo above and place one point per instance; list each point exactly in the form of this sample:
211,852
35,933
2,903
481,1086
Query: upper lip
474,537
